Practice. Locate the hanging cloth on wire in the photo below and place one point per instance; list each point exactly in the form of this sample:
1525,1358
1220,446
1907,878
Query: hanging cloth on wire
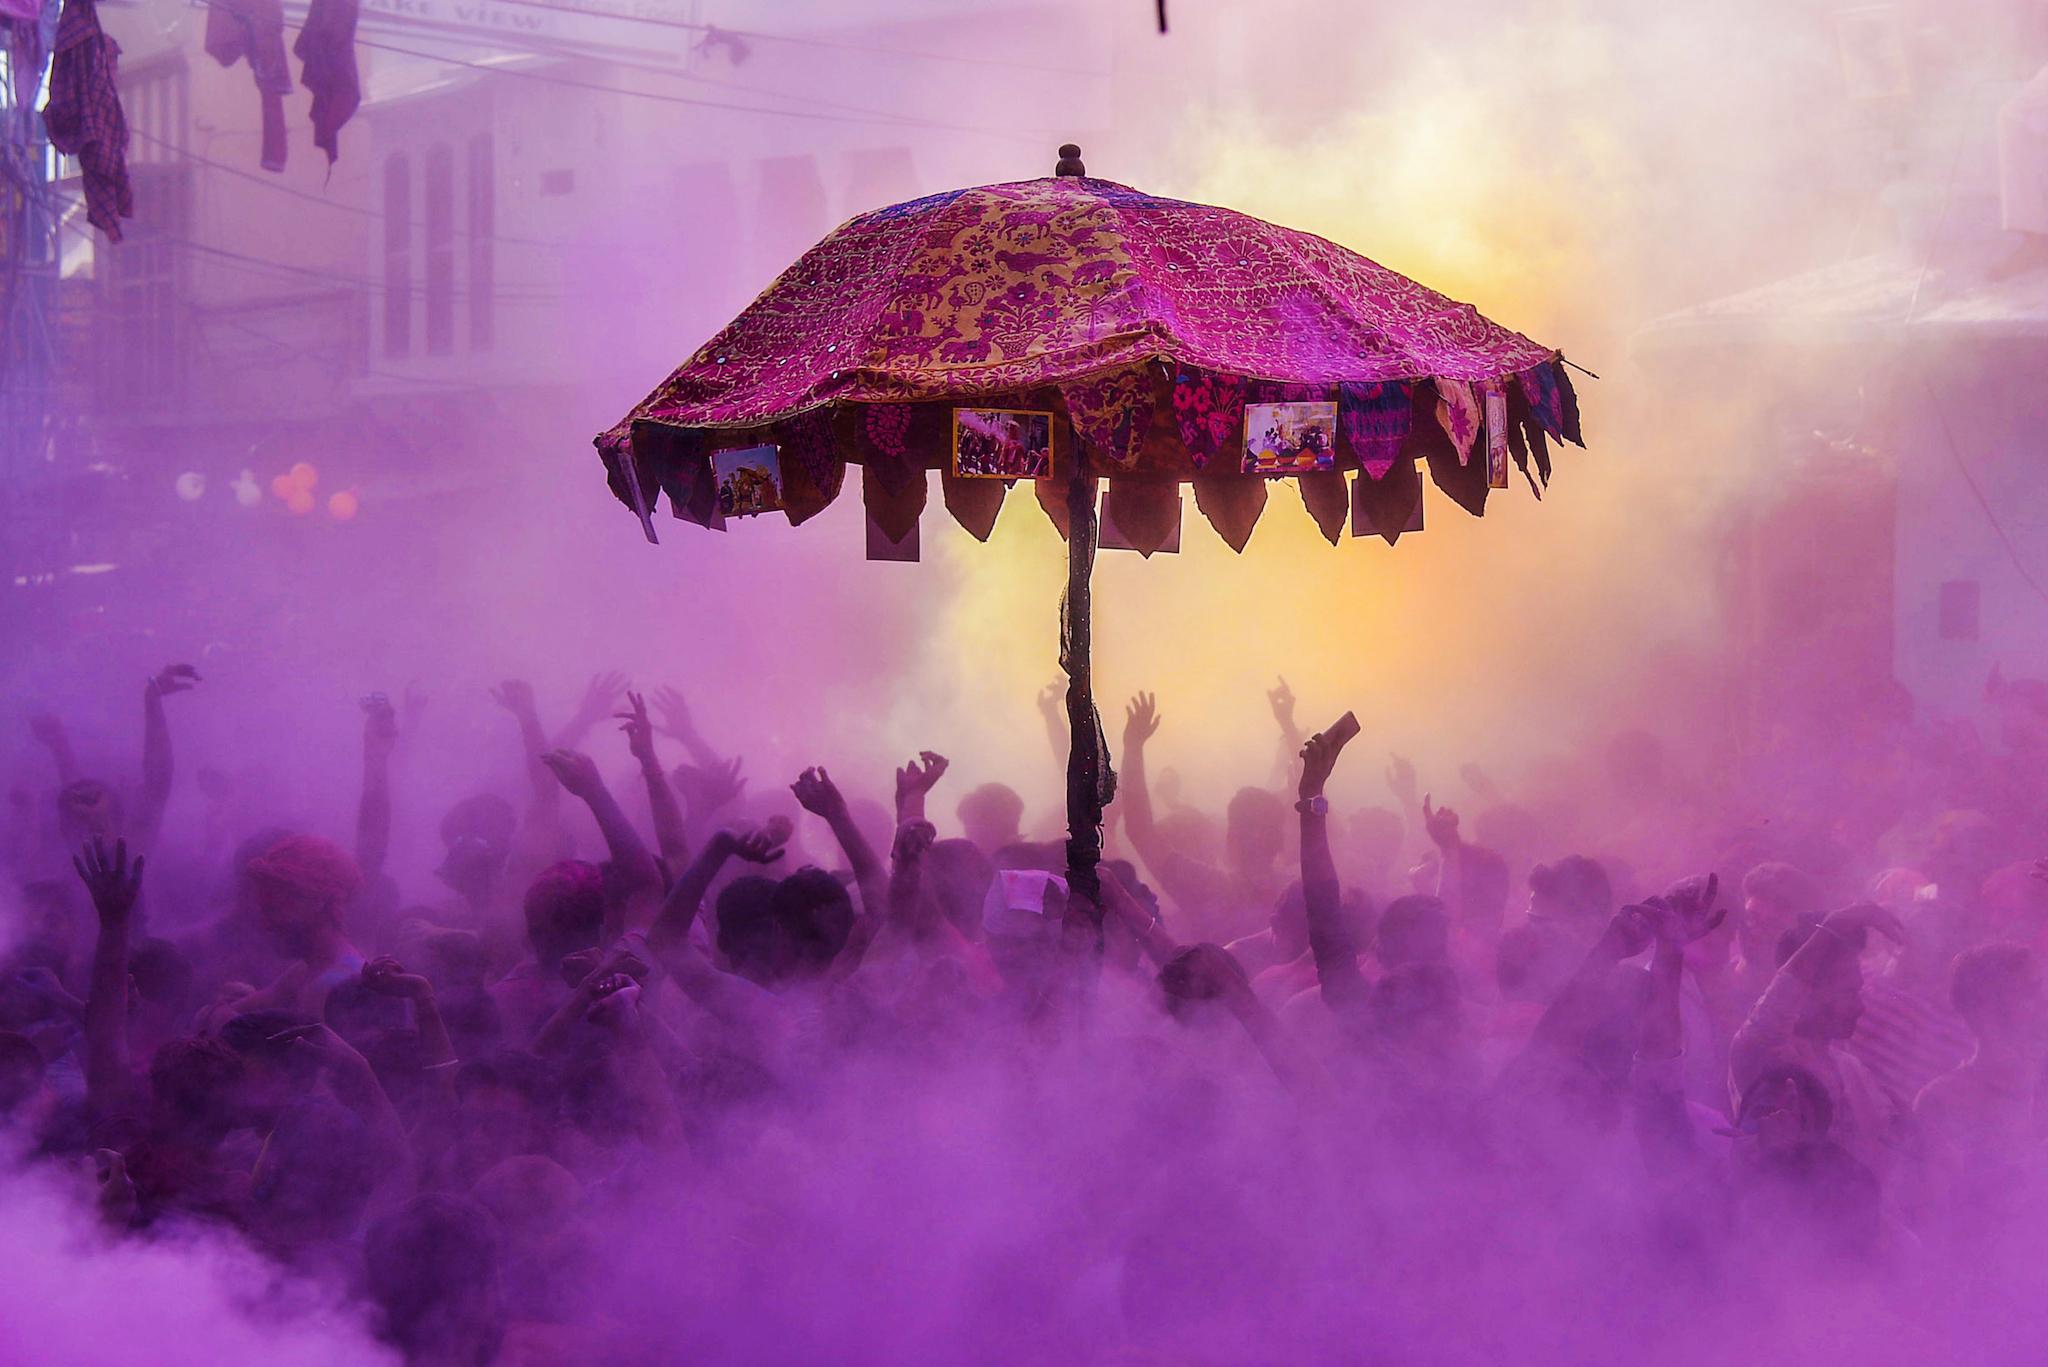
255,29
326,45
84,118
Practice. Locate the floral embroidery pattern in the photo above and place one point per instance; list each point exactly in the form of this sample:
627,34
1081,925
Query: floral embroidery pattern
1112,412
1209,410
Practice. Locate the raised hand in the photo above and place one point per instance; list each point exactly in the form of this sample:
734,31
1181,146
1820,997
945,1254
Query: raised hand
380,724
575,771
1282,702
515,696
1319,759
707,789
1480,782
1401,781
675,713
384,974
1686,912
1141,720
112,881
172,679
1441,823
599,696
639,730
757,847
919,776
818,795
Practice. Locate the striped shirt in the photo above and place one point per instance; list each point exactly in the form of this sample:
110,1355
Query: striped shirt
1907,1040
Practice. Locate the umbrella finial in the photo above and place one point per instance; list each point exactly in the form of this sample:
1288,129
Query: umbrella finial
1070,161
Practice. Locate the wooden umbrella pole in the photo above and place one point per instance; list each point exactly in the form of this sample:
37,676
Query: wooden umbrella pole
1084,758
1084,777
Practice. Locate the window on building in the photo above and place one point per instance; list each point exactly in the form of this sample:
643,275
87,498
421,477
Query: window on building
1961,609
483,265
142,342
397,256
440,230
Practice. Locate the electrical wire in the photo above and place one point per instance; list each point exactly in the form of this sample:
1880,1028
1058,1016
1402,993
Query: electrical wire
271,182
817,116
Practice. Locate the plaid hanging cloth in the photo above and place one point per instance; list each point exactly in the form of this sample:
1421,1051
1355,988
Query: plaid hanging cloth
83,116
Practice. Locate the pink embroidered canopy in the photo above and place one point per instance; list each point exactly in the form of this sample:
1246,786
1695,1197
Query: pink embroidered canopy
1129,337
1144,325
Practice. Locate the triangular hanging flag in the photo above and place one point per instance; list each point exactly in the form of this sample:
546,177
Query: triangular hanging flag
1546,402
973,503
1209,411
1141,515
1568,403
1386,507
1111,413
881,547
632,486
895,511
1463,481
899,441
1232,504
1325,495
1457,413
1373,419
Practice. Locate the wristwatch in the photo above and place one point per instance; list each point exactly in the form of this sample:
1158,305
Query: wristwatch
1313,806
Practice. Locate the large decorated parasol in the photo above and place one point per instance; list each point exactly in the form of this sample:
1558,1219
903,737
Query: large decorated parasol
1075,333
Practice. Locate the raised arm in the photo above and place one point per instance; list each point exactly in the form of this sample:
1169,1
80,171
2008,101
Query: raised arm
373,810
1281,699
156,750
820,796
599,697
679,909
677,722
1134,797
113,883
1135,917
578,775
669,830
1441,825
516,697
1772,1021
1329,940
48,729
914,781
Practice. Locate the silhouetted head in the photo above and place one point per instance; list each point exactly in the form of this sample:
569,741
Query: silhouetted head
432,1268
1256,827
1413,930
564,911
991,815
1997,991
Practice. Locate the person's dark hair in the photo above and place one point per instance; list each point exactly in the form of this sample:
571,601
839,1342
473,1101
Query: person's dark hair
1258,815
318,1169
1482,885
250,1034
512,1070
1783,886
1529,963
1047,856
192,1081
486,817
357,1011
1413,930
1789,942
1811,1093
746,922
1988,977
1417,999
471,1015
994,806
161,973
957,875
565,910
815,915
21,1070
1579,883
432,1268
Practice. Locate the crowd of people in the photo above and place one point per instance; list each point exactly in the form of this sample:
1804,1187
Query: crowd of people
1616,1062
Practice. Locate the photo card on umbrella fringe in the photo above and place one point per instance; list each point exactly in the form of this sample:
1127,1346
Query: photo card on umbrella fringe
1290,438
749,481
1002,443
